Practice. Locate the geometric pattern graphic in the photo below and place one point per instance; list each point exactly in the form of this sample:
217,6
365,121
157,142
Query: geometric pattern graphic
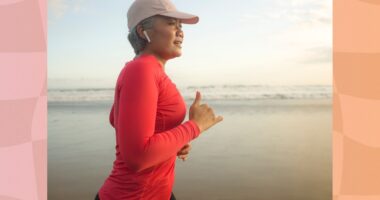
356,100
23,100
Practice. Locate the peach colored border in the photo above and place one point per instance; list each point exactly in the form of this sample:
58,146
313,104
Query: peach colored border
23,100
356,126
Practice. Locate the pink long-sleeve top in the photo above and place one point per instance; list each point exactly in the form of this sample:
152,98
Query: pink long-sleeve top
147,115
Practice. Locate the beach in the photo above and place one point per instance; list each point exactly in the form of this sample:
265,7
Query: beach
263,149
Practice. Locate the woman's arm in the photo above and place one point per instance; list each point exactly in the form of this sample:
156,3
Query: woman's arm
138,144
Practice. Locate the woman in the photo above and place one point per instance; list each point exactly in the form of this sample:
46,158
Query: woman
148,109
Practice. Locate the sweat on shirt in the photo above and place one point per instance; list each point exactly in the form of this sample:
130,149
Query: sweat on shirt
147,116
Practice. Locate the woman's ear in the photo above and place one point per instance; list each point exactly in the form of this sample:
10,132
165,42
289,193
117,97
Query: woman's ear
140,31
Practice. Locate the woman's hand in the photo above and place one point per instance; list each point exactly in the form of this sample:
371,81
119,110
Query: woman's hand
184,152
202,114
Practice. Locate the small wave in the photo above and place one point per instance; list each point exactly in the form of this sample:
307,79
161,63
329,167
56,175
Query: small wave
209,92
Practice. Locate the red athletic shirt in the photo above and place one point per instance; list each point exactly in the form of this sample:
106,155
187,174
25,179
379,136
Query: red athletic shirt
147,115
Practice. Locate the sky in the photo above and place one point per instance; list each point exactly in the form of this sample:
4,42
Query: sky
270,42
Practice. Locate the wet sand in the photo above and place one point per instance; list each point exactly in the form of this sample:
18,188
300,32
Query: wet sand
263,149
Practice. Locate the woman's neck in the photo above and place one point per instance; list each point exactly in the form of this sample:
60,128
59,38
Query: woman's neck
161,60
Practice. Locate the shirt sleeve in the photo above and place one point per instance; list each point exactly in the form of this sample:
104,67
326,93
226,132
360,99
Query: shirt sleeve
139,145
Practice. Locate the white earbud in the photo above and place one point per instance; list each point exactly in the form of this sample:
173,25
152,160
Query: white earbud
146,35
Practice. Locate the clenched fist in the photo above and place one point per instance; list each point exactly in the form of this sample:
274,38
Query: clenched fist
184,152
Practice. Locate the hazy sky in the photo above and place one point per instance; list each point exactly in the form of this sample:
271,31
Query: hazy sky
235,42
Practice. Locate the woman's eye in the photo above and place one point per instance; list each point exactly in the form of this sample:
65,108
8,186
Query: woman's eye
175,23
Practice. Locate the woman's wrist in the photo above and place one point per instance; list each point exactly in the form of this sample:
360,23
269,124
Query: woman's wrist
196,125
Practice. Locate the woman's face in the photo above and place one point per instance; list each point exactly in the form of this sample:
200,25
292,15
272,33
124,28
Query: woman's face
166,37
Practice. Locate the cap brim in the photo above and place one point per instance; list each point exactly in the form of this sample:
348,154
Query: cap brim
185,18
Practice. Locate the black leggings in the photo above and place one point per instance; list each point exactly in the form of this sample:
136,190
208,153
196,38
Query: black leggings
172,197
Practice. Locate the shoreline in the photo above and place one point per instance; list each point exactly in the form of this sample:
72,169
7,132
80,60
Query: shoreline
229,102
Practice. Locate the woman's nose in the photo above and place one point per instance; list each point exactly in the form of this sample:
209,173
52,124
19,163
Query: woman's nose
179,33
179,29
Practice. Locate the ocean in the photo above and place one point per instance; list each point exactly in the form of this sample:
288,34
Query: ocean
274,143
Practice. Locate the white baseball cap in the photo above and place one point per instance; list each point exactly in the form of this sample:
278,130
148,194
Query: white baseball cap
142,9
